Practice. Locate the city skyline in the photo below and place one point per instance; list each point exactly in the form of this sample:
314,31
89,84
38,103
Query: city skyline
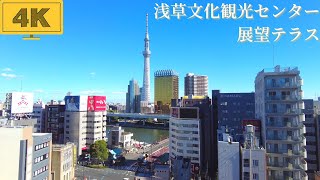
103,62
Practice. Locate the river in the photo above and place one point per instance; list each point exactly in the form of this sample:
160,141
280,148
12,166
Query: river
146,135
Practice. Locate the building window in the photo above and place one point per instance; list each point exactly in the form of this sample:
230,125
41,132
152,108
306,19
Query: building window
255,176
246,163
255,162
180,150
246,176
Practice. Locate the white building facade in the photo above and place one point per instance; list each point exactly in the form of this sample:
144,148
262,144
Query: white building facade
84,128
184,134
279,105
228,159
253,157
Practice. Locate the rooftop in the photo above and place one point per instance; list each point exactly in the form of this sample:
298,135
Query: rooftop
165,73
40,134
284,70
127,133
57,147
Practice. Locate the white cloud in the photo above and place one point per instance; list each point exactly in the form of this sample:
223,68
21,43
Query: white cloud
93,74
8,76
89,92
38,91
119,92
7,69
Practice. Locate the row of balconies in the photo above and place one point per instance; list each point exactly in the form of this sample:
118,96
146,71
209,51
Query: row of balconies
280,125
285,97
289,84
299,139
282,111
288,166
289,152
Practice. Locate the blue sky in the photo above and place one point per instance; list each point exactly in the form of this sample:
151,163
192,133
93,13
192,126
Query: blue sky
101,49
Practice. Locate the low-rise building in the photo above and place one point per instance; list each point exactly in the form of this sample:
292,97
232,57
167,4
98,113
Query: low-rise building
117,137
63,161
253,157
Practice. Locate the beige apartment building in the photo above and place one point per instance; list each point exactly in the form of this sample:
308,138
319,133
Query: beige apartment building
63,161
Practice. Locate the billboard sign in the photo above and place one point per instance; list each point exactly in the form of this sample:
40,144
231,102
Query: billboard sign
22,102
76,103
97,103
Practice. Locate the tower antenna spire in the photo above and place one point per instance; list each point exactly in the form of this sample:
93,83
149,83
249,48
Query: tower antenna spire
147,26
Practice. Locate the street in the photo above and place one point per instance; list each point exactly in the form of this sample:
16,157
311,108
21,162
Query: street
82,172
117,172
148,150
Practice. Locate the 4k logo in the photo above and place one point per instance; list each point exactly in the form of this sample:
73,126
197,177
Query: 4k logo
36,16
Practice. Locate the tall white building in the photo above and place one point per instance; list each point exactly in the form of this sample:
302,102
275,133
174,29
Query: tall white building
84,128
145,95
184,132
279,105
196,85
253,157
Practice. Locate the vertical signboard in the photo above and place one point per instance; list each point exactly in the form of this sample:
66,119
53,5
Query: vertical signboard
97,103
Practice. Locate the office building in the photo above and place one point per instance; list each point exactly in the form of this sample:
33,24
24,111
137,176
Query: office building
232,109
253,157
133,97
39,114
64,158
27,155
312,136
184,135
54,122
166,88
145,94
85,121
279,105
84,128
196,85
207,134
228,159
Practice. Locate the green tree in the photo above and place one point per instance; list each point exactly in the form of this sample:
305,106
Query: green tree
99,151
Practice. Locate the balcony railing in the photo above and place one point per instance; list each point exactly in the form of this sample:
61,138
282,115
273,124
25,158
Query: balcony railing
283,98
304,165
301,152
290,111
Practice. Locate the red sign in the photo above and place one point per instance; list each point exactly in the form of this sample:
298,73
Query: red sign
97,103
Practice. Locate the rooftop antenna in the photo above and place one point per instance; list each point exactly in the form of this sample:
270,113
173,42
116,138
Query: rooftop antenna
273,55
